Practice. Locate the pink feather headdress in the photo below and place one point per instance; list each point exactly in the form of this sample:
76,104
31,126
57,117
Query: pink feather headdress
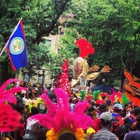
64,121
85,47
115,96
9,118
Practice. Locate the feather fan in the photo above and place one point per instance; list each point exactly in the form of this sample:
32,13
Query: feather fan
96,93
10,98
9,118
9,81
15,90
44,120
81,107
51,107
62,99
64,118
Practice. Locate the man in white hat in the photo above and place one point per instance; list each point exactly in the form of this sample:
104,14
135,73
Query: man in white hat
104,133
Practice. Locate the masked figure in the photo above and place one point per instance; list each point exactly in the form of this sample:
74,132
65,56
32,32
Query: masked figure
80,65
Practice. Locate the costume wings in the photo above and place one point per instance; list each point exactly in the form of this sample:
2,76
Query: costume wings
132,88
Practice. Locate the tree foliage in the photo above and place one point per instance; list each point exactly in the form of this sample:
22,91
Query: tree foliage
40,18
66,50
113,27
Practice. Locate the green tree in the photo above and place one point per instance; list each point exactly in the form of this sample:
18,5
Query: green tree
40,18
67,50
113,27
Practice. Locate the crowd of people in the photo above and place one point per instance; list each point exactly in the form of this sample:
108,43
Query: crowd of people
101,119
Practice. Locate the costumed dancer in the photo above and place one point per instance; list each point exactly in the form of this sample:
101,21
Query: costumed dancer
61,122
80,65
10,119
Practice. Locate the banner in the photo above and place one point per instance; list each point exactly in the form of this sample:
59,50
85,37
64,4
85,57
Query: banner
16,47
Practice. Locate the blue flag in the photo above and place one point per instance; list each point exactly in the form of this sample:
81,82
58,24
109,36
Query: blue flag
16,47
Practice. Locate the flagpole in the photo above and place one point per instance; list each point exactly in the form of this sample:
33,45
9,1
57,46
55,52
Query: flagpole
3,49
8,40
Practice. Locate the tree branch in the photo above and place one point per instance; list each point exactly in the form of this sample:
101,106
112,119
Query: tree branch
53,24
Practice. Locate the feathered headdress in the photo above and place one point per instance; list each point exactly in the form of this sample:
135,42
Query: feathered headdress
65,121
125,100
85,47
83,94
115,96
51,107
9,118
96,94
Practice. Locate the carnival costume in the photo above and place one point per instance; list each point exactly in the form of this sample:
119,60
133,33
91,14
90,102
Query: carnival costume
60,120
9,118
80,65
132,88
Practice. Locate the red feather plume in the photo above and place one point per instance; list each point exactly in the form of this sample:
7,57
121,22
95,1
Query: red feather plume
85,47
9,118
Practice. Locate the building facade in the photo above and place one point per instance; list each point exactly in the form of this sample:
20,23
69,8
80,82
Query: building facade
43,76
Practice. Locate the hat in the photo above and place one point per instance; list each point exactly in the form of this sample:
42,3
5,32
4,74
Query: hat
90,130
23,92
36,88
100,102
118,106
107,116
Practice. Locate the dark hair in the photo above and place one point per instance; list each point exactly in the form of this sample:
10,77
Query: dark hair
122,130
105,123
138,125
103,108
138,118
108,103
30,94
67,136
19,108
52,96
128,122
42,134
34,110
70,100
90,109
89,114
136,111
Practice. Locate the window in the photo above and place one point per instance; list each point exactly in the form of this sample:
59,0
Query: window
48,42
26,77
41,79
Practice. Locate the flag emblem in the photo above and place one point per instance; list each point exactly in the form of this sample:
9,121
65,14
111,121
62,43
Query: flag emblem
17,45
